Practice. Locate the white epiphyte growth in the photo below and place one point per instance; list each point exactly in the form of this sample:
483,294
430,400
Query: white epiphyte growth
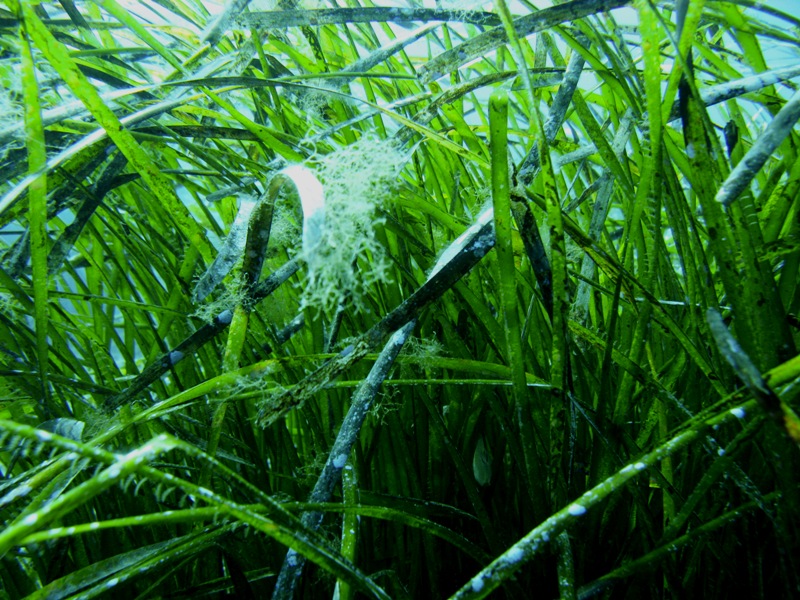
312,201
340,221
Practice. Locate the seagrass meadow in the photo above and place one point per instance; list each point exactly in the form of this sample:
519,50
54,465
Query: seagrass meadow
410,300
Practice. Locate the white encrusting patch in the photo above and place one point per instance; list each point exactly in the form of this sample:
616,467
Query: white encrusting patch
44,436
477,584
340,461
514,555
640,466
576,510
738,412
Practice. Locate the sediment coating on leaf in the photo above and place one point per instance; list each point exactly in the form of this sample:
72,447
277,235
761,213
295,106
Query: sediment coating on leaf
539,21
329,16
342,447
229,254
744,172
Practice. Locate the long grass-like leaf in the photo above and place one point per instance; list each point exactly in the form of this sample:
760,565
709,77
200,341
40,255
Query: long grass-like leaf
37,203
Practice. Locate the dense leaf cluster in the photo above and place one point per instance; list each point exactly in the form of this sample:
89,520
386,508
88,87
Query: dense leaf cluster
545,341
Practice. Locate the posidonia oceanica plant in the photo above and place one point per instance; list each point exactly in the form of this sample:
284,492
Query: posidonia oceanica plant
399,300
